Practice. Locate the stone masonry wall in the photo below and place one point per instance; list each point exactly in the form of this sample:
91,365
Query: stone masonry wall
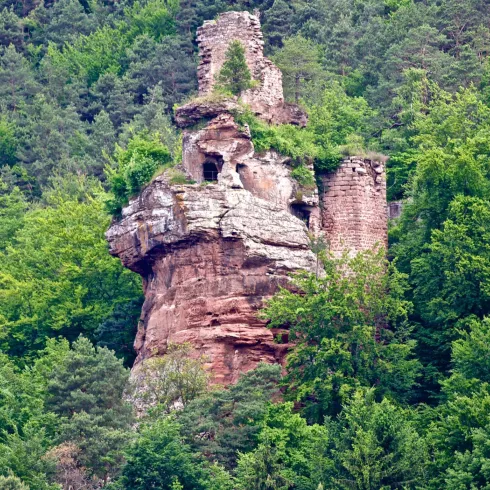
353,202
214,38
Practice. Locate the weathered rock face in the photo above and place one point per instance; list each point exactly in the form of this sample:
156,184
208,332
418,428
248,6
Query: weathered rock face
209,256
229,149
212,251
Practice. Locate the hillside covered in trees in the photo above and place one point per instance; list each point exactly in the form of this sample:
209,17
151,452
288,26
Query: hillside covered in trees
388,385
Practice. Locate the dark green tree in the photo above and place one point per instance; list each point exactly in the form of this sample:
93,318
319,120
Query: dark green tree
8,143
458,429
277,23
86,392
17,83
451,279
27,428
118,331
162,63
298,60
376,445
159,459
234,76
231,418
111,95
61,23
11,28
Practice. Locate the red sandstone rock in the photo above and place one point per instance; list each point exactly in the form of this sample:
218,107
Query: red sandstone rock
199,109
209,257
211,253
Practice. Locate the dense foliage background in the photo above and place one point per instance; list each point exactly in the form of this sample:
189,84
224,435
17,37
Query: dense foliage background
388,386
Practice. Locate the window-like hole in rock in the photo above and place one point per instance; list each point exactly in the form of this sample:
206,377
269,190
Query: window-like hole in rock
302,213
210,171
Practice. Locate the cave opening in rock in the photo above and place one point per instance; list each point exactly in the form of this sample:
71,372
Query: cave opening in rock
211,168
301,212
210,171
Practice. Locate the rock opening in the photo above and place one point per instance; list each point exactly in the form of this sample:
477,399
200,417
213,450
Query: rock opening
211,168
301,212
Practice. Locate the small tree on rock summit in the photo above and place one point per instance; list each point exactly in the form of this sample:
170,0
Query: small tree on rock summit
235,76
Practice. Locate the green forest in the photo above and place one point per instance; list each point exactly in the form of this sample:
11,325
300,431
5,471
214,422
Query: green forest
387,387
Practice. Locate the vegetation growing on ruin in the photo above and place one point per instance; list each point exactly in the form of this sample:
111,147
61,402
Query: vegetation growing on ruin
399,368
234,76
333,126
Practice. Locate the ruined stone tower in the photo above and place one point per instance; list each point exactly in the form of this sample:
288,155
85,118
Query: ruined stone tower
211,251
353,202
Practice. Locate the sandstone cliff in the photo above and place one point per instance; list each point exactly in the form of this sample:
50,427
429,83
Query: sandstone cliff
211,252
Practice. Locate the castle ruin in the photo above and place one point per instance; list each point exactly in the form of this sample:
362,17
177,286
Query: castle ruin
211,252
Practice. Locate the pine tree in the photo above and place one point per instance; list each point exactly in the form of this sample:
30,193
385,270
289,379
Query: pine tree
10,28
235,75
277,23
298,61
86,391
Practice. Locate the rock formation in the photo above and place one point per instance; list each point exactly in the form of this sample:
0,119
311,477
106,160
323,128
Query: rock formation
210,252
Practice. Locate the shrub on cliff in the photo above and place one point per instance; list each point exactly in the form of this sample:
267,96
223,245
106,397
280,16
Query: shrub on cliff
170,381
333,125
234,76
291,141
134,167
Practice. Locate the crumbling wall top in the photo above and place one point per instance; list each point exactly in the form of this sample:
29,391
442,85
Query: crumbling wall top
213,39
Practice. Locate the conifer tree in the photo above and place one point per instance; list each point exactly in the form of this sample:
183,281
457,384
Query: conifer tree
298,61
86,391
277,23
235,75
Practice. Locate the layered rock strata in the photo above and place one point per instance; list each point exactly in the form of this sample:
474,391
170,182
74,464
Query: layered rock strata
212,251
209,256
